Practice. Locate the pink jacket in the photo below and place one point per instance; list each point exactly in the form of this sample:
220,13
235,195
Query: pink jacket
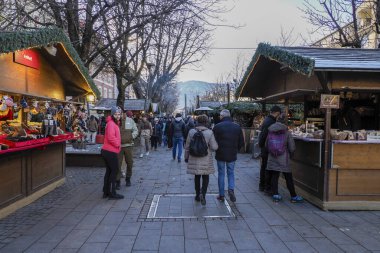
112,139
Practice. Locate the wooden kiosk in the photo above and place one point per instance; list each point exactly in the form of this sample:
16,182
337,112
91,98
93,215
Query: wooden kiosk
44,66
332,174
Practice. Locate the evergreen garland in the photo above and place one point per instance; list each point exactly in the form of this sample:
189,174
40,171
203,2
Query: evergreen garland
297,63
21,40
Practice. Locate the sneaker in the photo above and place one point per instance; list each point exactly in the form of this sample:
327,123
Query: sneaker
127,181
141,155
203,199
220,198
147,153
197,198
115,196
296,199
231,194
276,198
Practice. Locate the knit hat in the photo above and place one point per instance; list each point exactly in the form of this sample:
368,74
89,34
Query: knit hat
129,114
115,109
178,115
275,109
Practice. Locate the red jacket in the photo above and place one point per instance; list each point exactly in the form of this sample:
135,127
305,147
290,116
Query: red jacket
112,139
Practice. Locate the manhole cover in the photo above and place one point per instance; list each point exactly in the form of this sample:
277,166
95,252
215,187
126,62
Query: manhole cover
184,206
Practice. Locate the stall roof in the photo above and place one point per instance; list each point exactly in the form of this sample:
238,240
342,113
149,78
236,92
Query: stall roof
306,60
39,38
129,104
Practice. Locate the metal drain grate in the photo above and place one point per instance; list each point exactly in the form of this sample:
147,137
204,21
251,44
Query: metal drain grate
183,206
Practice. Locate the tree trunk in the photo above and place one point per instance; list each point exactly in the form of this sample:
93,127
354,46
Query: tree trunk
121,88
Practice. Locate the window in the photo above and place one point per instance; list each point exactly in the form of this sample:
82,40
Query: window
105,92
110,95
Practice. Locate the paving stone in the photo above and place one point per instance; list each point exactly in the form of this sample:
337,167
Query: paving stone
336,236
61,250
113,218
323,245
244,240
172,244
195,230
103,233
56,234
271,243
151,225
75,239
287,234
364,239
93,247
348,248
173,228
223,247
217,231
258,225
197,245
247,211
41,247
128,228
121,244
72,218
147,240
59,213
90,221
300,247
307,231
19,245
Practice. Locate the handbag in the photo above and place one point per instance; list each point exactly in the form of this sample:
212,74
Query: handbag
99,138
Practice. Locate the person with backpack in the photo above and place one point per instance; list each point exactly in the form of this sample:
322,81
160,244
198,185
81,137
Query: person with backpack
200,144
265,176
156,133
178,132
229,137
280,146
189,125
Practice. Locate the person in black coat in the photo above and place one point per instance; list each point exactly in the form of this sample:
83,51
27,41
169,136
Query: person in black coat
156,133
229,137
265,176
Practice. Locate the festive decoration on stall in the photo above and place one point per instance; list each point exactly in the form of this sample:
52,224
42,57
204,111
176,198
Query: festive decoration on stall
292,61
21,40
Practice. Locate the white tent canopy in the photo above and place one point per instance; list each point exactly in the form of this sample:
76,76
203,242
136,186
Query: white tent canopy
205,108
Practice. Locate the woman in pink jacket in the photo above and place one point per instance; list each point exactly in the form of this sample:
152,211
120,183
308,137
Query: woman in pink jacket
110,151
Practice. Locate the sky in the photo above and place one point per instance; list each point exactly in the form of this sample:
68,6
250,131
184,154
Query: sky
262,20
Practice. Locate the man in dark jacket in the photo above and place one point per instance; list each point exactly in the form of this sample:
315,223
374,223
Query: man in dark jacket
229,137
178,132
265,179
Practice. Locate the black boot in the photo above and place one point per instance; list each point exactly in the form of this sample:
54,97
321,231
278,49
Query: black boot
118,185
203,197
115,196
127,181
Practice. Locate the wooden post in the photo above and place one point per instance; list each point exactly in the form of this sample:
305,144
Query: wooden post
326,158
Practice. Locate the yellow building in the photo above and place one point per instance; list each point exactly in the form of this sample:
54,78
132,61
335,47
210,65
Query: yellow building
366,15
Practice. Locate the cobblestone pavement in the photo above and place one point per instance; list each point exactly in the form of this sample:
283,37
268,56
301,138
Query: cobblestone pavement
74,218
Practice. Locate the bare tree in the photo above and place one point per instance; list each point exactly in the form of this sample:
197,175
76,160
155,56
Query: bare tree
340,17
287,38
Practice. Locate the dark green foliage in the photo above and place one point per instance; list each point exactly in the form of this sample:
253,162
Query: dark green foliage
295,62
20,40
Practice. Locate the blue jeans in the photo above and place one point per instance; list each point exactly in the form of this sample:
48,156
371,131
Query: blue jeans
177,141
230,175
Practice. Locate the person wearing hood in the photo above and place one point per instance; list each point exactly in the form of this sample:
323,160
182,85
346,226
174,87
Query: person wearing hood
265,176
280,145
178,130
190,125
229,137
110,151
201,166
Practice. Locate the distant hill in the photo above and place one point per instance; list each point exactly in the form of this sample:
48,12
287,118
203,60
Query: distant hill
191,89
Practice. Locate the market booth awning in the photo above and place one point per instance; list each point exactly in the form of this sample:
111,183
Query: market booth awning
303,68
331,173
53,48
129,104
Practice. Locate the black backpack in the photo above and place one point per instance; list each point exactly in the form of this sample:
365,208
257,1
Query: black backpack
198,145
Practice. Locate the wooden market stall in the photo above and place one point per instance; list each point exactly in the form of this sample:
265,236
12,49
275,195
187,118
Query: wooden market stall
36,67
335,170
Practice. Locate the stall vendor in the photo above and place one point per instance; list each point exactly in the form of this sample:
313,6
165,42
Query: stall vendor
349,118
